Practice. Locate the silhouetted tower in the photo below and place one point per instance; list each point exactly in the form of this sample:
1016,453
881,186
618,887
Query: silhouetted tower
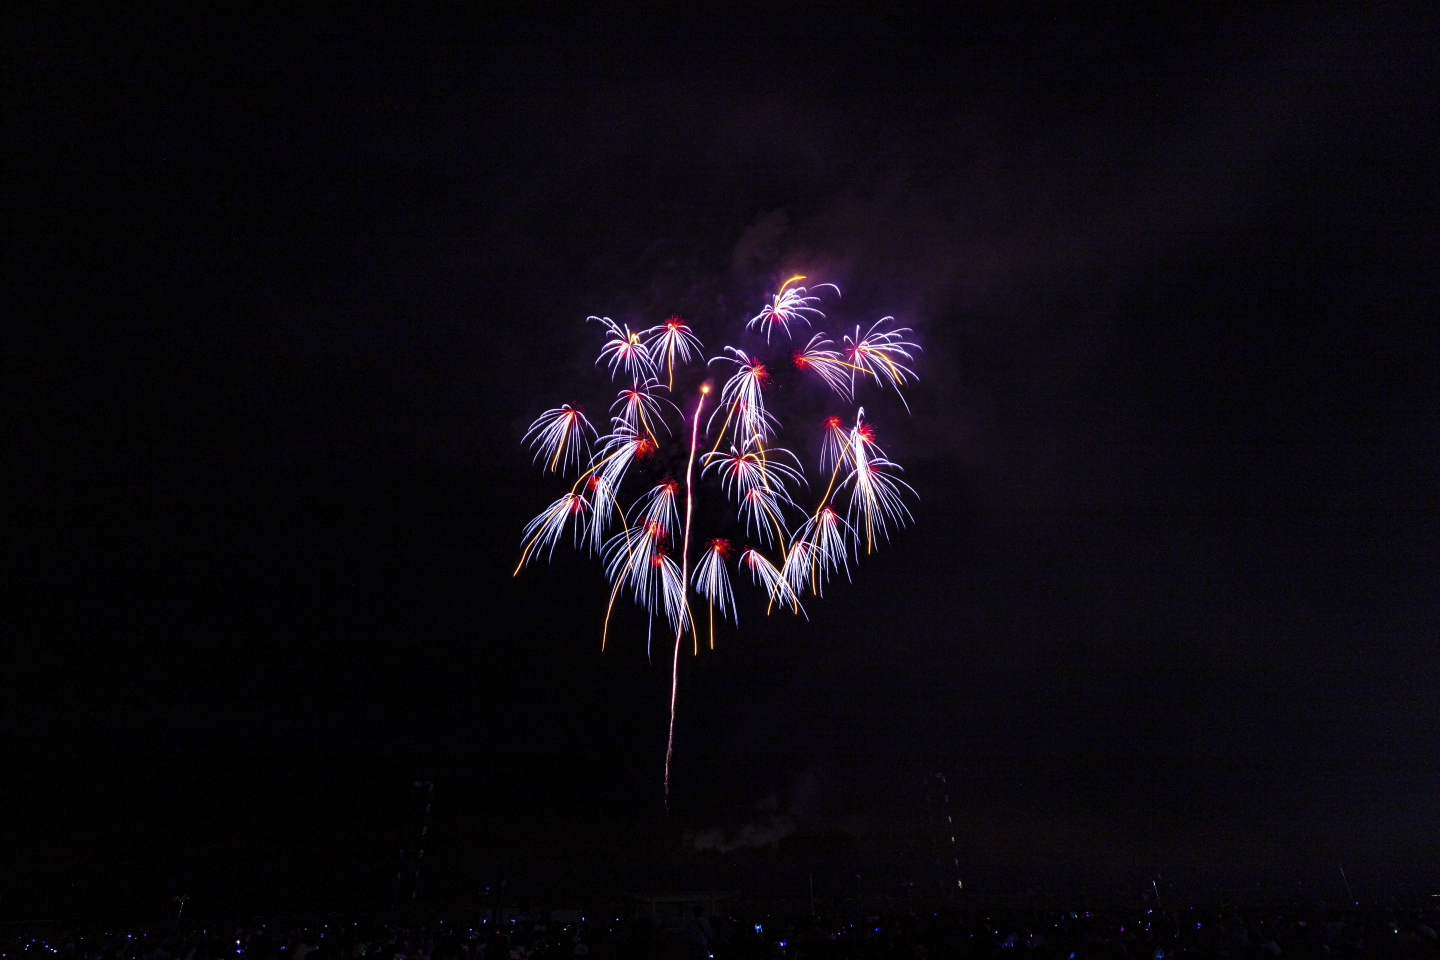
414,833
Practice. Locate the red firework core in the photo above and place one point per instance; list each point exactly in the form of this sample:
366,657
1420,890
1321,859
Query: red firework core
670,485
644,447
801,360
866,432
832,423
674,323
719,545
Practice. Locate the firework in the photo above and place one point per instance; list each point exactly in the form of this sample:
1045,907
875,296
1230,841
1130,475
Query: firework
742,472
621,447
644,548
640,409
760,511
833,444
820,356
882,354
771,579
669,342
625,351
822,546
602,479
743,400
799,562
560,436
712,581
875,499
791,304
658,505
545,531
632,559
672,592
603,508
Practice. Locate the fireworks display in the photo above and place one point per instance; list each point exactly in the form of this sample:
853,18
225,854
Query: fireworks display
645,549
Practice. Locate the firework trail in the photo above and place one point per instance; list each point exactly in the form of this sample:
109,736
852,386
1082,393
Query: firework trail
638,547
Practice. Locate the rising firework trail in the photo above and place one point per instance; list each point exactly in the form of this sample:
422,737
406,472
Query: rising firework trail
764,482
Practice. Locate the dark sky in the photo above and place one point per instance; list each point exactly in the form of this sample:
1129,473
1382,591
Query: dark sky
286,288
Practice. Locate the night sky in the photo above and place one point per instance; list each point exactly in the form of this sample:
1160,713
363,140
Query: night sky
286,286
